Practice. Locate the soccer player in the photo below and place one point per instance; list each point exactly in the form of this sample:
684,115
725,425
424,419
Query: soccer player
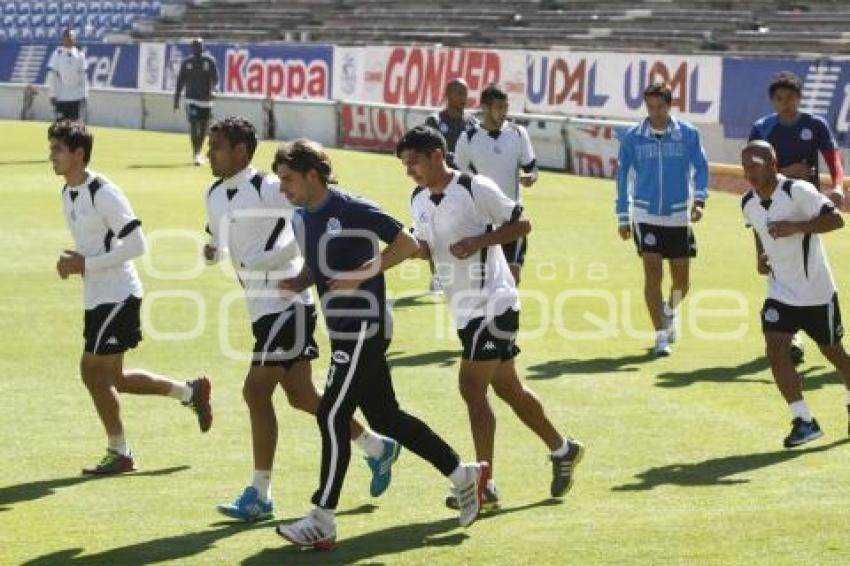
787,215
666,157
247,220
107,237
66,78
452,216
338,234
499,149
199,74
797,137
452,120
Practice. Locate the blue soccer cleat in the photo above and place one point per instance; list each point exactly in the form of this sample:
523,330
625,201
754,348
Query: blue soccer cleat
382,468
248,507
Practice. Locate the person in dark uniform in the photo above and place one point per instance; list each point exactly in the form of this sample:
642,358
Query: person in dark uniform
199,75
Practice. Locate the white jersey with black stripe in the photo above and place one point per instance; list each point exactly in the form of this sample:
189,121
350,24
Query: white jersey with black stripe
799,270
249,219
480,285
99,216
498,154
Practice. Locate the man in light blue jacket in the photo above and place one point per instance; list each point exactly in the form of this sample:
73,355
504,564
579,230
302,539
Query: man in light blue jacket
663,172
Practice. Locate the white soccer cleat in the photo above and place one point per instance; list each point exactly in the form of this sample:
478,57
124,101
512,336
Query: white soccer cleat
310,532
469,495
662,345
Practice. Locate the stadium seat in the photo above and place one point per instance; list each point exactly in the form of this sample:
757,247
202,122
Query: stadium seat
4,35
65,20
12,32
24,8
94,7
39,33
22,20
26,34
53,8
37,8
9,20
80,8
120,7
133,7
107,7
37,19
51,20
10,8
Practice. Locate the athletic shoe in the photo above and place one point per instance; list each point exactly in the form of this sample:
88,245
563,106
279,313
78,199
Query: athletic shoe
564,467
112,464
200,401
382,468
670,323
248,507
310,532
489,499
470,494
802,432
662,345
798,349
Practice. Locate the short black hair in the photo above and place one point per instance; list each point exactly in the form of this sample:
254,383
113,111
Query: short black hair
422,139
785,79
659,88
492,93
303,155
237,130
73,135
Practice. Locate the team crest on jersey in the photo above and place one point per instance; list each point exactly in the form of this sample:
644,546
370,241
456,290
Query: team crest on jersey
444,127
334,226
341,357
650,239
771,315
806,134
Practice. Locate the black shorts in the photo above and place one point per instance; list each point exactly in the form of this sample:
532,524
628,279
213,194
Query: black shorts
672,242
515,251
195,113
821,322
69,110
113,328
493,339
283,338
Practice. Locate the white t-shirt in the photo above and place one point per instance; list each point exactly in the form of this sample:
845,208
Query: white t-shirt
480,285
99,216
799,269
497,154
66,74
249,219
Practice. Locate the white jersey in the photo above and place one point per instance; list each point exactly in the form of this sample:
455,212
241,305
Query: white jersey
99,216
66,74
480,285
498,154
799,270
248,218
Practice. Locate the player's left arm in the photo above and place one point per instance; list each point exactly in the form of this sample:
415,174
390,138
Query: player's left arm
527,161
832,156
823,215
699,162
116,212
495,209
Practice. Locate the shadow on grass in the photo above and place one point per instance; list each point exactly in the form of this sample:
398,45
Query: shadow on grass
388,542
421,299
186,165
575,367
30,491
741,374
717,471
442,358
25,162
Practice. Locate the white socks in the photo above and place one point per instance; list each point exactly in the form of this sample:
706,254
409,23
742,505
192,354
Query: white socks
372,444
562,451
181,391
668,310
800,410
118,443
263,484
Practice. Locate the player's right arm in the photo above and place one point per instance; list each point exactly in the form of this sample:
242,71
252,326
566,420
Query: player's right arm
181,81
52,78
625,164
762,265
213,252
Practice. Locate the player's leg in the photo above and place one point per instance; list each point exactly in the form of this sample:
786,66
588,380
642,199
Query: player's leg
474,381
679,287
653,272
827,330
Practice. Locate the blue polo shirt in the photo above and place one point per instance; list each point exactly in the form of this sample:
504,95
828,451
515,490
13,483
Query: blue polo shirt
338,235
797,141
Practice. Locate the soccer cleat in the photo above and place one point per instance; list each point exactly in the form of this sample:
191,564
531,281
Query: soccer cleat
248,507
310,532
382,468
489,499
564,467
200,401
470,494
798,350
112,464
670,323
802,432
662,345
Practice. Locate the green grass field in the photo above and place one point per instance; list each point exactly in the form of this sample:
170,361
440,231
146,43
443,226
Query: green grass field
684,460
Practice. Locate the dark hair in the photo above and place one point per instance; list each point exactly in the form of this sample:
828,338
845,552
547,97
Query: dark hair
303,155
73,135
492,93
659,88
237,130
422,139
785,79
